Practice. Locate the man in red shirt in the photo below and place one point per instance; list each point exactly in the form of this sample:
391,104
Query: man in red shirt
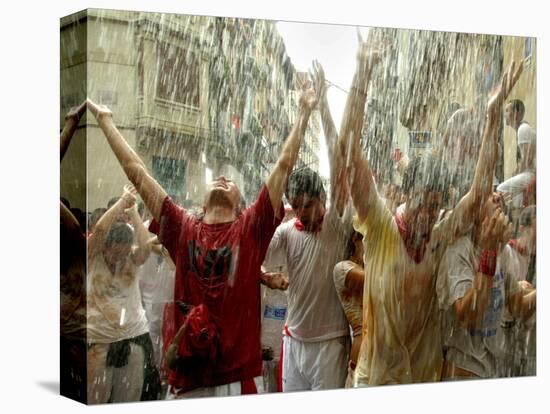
218,259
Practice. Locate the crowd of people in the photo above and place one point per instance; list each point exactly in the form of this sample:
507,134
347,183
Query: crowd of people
432,278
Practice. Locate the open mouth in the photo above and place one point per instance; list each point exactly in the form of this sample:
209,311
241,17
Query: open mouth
222,185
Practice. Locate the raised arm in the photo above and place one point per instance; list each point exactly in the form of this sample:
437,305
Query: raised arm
149,189
361,182
470,309
97,239
143,238
338,179
71,123
69,221
276,181
480,189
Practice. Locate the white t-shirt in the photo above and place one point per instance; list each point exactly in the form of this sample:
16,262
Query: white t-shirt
401,329
528,135
156,279
314,311
476,350
114,304
352,304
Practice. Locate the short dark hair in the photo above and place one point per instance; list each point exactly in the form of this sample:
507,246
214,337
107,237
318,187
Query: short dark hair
120,233
426,172
304,181
518,106
527,215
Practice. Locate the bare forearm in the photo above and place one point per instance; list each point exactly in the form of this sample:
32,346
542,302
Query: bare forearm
67,134
71,123
105,222
338,180
485,167
150,191
350,146
107,219
329,129
291,147
277,179
352,122
142,238
125,154
142,234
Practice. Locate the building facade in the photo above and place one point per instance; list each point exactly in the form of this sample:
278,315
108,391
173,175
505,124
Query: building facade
195,96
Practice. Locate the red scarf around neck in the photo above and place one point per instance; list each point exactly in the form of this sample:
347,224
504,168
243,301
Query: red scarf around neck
417,254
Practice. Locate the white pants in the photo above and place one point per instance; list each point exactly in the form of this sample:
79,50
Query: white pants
225,390
516,185
122,384
315,365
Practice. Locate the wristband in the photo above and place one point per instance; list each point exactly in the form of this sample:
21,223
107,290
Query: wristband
488,262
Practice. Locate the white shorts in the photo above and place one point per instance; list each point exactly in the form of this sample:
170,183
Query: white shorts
225,390
315,365
516,185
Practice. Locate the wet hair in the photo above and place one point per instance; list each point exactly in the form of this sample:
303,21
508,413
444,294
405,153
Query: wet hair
527,215
112,202
427,172
518,107
304,181
119,233
350,248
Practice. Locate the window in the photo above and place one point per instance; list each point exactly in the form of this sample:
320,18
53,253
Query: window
178,79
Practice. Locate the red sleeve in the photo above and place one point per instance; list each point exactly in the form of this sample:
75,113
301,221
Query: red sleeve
168,230
262,220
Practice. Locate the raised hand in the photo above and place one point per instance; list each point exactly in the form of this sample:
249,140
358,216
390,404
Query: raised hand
371,51
308,97
132,210
275,280
507,83
495,230
319,81
129,196
98,111
76,112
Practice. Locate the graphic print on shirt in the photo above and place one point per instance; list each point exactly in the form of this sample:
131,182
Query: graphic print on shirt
210,264
493,311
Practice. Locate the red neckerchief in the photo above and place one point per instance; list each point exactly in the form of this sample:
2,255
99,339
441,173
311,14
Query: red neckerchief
515,245
300,226
416,254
